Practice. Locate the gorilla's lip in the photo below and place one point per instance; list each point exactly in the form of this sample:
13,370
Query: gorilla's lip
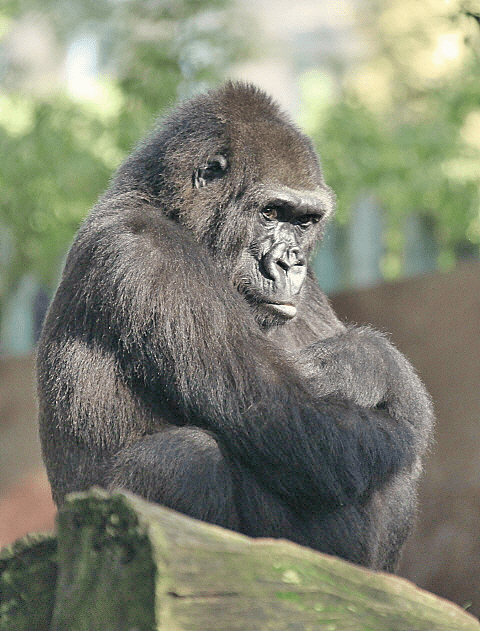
286,309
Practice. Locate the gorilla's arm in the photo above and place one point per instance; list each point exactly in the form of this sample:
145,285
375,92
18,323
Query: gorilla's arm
361,365
187,337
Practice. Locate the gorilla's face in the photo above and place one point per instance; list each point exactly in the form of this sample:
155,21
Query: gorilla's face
272,268
271,205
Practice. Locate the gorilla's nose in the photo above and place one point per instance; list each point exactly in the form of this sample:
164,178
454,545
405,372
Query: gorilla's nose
292,256
282,261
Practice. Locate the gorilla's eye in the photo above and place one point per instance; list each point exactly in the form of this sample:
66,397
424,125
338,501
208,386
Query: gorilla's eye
214,169
217,165
270,212
305,221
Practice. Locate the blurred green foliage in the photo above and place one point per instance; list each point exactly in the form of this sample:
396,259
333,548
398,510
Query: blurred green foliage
57,151
406,125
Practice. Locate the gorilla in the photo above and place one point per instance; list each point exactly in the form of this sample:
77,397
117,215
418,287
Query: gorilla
190,356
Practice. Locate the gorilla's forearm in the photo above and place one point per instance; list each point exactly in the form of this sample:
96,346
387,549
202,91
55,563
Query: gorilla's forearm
331,454
362,366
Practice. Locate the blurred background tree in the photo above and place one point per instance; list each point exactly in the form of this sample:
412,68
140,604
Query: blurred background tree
405,130
82,81
397,123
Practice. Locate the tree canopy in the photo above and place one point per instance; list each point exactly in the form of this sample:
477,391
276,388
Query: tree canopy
406,124
59,146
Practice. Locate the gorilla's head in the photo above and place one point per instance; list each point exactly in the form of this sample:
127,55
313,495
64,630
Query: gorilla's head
233,169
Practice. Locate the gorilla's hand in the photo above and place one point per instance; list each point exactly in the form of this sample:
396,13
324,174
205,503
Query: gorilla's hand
362,366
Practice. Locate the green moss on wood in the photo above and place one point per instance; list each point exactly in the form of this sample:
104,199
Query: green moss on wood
107,573
28,571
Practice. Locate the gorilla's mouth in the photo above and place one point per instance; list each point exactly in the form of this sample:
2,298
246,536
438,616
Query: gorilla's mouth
265,303
287,310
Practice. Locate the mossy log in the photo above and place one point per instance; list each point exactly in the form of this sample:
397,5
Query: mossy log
122,564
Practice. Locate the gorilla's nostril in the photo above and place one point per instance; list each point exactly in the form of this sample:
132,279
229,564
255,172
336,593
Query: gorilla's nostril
291,258
283,264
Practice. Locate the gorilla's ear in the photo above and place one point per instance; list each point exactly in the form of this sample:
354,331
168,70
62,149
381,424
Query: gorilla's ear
215,168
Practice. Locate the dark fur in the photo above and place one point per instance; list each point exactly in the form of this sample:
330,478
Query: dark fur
163,370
